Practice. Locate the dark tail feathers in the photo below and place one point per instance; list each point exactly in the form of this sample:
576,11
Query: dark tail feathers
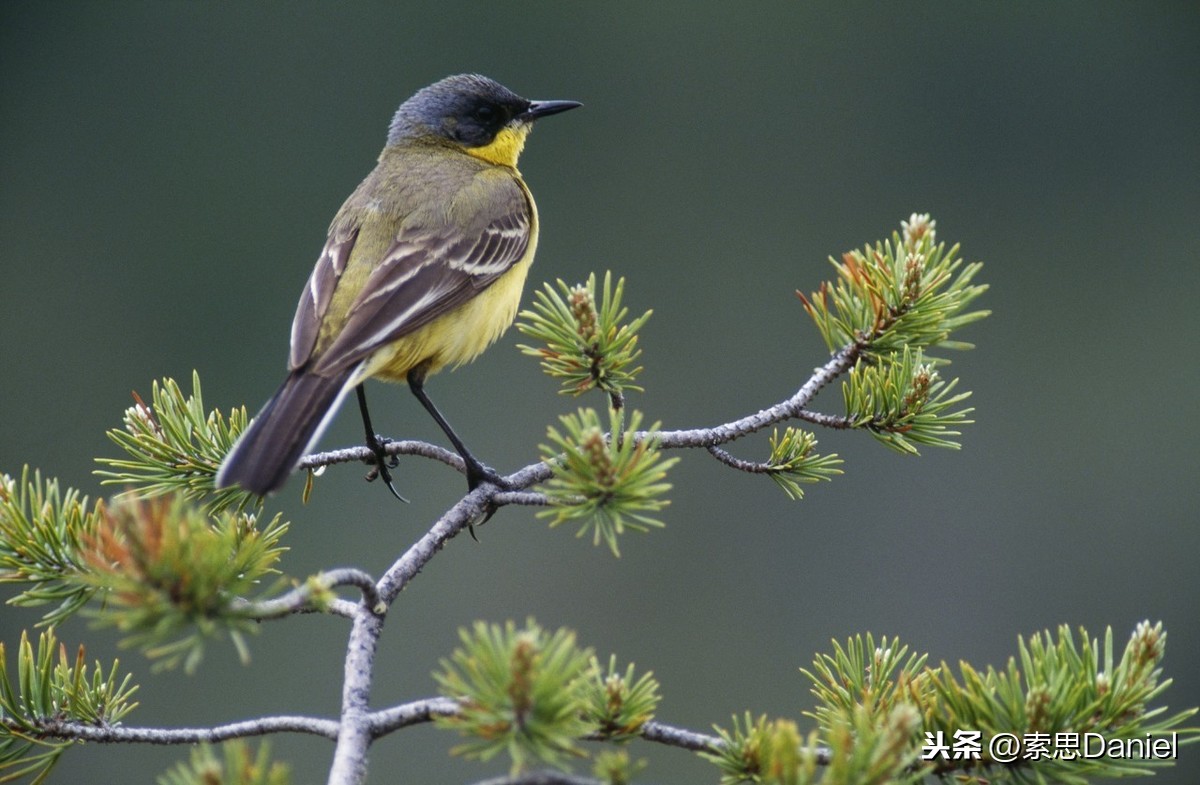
281,433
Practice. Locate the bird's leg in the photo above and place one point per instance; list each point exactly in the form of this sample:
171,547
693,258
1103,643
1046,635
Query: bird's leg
477,473
376,444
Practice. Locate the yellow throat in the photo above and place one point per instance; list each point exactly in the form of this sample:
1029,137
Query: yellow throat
506,148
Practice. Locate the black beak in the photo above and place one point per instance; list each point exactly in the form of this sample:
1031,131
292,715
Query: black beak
546,108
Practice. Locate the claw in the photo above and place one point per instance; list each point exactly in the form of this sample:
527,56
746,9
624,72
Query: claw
376,444
383,463
478,474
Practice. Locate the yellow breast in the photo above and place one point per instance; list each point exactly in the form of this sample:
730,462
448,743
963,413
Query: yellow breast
460,335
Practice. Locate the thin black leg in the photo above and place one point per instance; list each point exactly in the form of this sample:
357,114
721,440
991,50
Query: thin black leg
376,443
477,473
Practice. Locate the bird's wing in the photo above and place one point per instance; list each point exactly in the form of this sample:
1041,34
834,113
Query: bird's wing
317,295
424,274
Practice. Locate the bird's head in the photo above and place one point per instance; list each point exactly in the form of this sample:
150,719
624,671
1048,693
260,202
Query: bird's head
476,113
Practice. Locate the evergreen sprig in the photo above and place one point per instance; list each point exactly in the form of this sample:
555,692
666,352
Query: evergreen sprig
906,292
744,745
861,673
865,748
519,693
1055,686
902,401
1060,686
794,463
41,530
171,576
771,752
586,344
236,766
174,445
51,688
869,748
614,767
608,483
617,704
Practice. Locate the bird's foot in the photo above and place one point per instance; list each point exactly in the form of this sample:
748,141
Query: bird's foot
383,463
478,474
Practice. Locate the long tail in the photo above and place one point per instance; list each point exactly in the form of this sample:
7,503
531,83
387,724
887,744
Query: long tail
280,435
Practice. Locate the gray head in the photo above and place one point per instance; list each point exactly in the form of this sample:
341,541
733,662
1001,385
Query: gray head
468,109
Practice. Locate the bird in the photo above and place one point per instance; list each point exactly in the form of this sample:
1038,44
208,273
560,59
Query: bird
423,268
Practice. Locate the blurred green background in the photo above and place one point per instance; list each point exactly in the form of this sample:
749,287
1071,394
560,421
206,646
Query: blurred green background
168,171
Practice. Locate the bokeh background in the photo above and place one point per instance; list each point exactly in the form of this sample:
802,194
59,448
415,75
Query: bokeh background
168,171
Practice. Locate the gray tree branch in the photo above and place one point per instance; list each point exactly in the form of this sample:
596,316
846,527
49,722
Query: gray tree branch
262,726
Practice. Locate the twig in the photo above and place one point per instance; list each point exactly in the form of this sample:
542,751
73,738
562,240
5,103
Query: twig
469,510
299,598
791,408
520,498
700,742
414,713
121,734
753,467
364,454
680,737
837,421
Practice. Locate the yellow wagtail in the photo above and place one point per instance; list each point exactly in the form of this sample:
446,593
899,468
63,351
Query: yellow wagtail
423,268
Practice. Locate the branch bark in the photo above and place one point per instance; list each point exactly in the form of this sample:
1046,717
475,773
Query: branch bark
118,734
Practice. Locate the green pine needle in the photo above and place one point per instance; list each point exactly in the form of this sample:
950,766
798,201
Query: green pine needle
879,676
613,767
237,766
608,484
1057,685
616,704
52,688
171,575
770,752
906,292
869,747
903,402
518,693
41,535
174,445
793,462
586,345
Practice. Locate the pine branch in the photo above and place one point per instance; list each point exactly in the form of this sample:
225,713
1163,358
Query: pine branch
174,445
172,576
673,736
124,734
42,531
585,343
52,687
317,461
792,463
315,596
414,713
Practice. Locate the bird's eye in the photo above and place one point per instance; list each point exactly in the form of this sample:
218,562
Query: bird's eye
485,113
